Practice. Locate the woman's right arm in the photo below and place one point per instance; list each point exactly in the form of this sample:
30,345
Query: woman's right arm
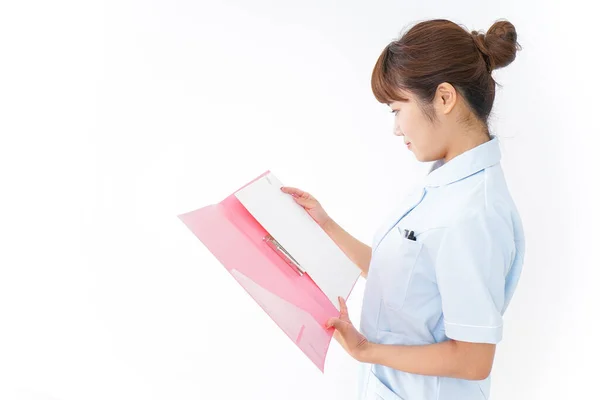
355,250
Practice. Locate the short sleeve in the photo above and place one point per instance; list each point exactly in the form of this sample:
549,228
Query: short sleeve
471,265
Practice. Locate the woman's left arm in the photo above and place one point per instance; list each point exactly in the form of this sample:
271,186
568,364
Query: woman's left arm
463,360
451,358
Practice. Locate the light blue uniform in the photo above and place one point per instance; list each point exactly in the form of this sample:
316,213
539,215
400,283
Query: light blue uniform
454,281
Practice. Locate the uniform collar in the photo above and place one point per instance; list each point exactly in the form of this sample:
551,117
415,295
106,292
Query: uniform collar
466,164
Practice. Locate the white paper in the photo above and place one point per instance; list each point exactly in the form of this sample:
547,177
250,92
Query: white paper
292,226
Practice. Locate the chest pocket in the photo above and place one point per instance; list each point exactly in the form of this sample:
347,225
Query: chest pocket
396,259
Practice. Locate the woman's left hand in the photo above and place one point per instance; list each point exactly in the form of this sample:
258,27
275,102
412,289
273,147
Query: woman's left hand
347,335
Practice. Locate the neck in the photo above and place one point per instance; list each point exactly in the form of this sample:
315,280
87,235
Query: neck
466,142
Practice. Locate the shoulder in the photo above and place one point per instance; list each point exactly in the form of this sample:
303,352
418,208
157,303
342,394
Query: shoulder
473,228
483,196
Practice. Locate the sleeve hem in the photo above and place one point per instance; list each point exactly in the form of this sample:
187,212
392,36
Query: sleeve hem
473,333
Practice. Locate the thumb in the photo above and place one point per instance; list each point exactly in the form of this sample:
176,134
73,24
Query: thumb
334,322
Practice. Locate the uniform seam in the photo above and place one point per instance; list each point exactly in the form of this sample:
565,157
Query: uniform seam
410,279
485,190
474,326
481,390
428,231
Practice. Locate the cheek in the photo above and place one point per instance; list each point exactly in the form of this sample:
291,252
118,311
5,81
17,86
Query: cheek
410,123
402,125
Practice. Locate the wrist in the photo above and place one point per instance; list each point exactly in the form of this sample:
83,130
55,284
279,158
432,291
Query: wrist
364,353
328,225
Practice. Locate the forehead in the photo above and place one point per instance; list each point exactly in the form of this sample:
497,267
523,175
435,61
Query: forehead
401,98
398,102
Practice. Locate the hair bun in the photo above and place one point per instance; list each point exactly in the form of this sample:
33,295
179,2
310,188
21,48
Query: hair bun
499,45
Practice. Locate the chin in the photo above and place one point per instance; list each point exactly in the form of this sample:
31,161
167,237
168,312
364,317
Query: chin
425,157
422,158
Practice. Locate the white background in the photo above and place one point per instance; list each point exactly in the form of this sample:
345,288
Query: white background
116,116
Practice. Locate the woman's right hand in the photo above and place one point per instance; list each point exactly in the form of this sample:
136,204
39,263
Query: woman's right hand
310,204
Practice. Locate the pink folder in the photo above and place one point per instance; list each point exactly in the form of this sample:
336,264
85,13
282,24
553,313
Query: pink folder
291,298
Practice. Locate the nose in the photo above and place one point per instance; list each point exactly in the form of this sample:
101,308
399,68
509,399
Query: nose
397,130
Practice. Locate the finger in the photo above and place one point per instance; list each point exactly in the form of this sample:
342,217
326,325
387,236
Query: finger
343,306
298,194
292,190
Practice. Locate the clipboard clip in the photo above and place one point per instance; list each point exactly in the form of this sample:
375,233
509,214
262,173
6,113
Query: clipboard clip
287,257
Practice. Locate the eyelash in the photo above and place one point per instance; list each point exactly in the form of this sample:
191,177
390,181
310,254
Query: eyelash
394,111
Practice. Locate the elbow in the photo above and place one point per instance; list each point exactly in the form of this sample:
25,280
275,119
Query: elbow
477,372
481,375
475,360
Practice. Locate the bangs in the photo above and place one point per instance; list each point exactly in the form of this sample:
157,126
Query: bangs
385,89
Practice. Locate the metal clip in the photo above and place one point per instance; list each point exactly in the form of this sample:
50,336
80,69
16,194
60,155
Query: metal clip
274,245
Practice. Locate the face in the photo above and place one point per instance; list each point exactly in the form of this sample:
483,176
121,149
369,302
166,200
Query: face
423,137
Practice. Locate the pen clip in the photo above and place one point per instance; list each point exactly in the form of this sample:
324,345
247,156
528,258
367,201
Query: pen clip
287,257
410,235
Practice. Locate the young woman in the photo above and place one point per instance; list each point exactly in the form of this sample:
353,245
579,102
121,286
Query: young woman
441,272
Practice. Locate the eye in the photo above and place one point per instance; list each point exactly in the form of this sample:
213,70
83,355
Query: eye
395,112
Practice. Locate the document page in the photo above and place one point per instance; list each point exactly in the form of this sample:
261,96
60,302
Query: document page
326,264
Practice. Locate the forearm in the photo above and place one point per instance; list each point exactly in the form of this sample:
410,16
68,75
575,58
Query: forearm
448,359
357,251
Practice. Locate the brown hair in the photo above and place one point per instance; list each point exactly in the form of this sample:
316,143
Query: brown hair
437,51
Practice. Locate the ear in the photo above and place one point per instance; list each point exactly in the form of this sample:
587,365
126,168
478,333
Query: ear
445,98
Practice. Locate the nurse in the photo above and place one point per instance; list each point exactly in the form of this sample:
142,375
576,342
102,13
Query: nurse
442,270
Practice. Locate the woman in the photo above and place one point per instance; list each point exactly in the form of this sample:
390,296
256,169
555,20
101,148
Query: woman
441,272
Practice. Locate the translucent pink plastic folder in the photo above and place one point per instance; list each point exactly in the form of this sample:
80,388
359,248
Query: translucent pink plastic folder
287,264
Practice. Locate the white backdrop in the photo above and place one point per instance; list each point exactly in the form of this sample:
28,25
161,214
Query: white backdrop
116,116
